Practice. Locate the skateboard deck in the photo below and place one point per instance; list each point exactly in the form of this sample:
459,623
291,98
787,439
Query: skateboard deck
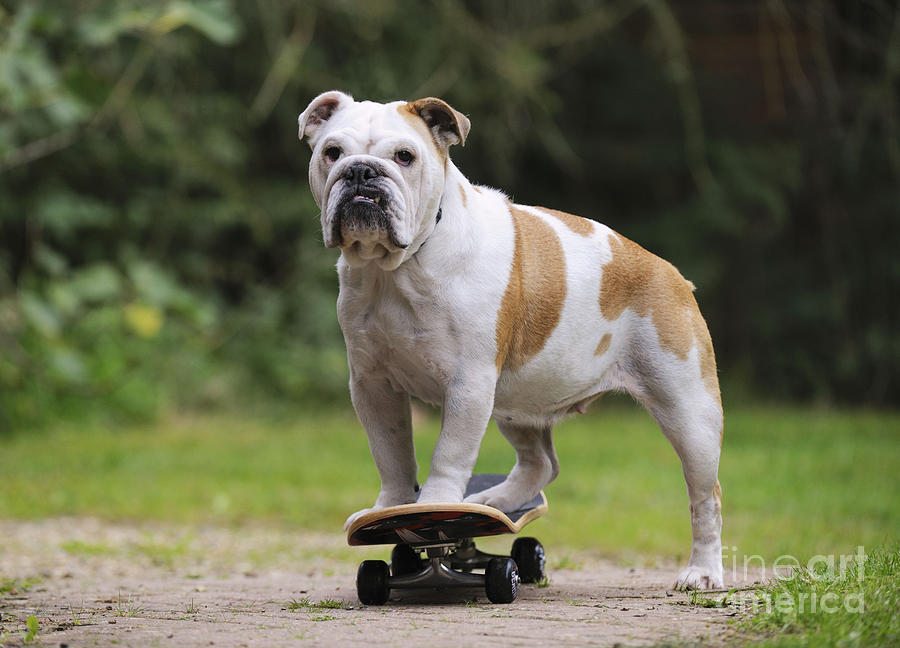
436,522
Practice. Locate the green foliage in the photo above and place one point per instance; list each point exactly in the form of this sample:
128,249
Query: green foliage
32,627
159,248
178,279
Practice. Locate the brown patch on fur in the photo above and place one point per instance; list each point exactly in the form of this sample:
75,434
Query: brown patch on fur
462,194
412,118
477,190
533,302
707,357
717,491
634,278
577,224
603,346
445,125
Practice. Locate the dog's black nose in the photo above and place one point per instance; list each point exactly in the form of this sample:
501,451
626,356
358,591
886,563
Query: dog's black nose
359,172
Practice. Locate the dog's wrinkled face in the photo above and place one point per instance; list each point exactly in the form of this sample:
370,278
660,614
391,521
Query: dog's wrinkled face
377,172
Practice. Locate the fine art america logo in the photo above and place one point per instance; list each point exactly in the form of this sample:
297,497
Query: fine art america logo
785,569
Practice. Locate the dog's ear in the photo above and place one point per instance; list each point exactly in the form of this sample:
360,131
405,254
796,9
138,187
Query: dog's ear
319,111
447,126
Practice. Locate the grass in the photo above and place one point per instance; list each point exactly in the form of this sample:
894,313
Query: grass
700,599
795,481
16,586
306,604
564,561
77,616
128,607
856,606
80,548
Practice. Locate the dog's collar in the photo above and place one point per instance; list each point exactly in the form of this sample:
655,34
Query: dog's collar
437,219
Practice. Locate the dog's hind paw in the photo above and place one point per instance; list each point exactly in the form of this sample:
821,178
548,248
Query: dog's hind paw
699,578
502,497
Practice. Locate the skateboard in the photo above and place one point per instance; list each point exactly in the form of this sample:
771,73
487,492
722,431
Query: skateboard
444,533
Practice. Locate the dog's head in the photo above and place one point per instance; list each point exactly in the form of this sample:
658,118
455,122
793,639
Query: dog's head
377,172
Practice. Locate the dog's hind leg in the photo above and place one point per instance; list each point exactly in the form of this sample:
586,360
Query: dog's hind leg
695,438
536,466
690,415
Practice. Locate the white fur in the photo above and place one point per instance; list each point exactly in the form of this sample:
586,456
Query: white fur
422,321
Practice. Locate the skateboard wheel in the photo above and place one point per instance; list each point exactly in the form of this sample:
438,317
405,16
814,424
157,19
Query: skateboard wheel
529,556
405,560
372,582
501,580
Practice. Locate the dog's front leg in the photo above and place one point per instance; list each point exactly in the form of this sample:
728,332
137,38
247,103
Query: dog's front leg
385,415
467,409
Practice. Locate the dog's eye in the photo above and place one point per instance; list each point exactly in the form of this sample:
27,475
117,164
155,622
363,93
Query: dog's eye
332,153
403,157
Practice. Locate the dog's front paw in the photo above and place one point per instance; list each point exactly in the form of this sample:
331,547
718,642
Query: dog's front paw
695,577
503,496
353,518
438,496
385,500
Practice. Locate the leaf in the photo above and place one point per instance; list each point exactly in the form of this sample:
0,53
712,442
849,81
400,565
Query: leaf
97,282
62,211
67,365
66,109
102,28
63,299
215,19
50,261
33,627
40,314
21,26
212,19
144,320
153,284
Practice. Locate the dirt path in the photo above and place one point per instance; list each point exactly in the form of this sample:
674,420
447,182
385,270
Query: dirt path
94,584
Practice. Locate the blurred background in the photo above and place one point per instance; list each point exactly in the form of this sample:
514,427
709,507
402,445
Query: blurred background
160,251
170,357
169,349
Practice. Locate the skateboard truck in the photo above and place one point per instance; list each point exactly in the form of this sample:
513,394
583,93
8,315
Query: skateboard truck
437,575
444,533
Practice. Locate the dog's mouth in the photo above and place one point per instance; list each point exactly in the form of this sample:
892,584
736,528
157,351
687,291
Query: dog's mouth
363,222
363,208
373,200
365,215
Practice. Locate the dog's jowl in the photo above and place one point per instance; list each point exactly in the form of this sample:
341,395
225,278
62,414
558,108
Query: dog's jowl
488,309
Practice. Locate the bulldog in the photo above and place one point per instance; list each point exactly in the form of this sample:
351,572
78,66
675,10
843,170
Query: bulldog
451,293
